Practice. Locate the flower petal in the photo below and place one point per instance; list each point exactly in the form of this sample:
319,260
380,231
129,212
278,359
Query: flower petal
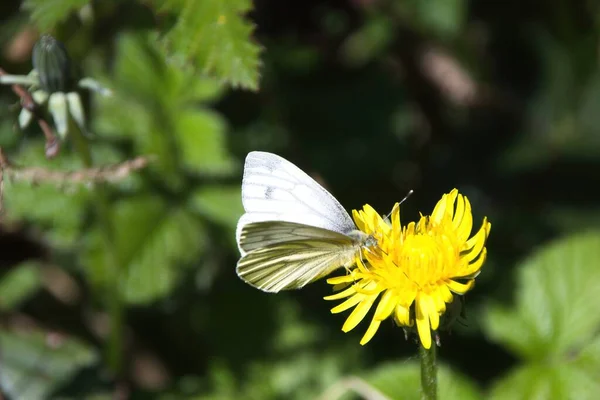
386,305
476,243
423,324
346,293
460,288
371,331
359,313
463,230
336,280
402,315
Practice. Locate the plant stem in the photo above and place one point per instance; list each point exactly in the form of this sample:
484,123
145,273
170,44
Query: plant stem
114,350
428,372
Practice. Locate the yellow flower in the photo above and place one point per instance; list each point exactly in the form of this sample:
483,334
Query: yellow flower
423,263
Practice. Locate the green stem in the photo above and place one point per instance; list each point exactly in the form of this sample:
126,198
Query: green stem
428,372
101,203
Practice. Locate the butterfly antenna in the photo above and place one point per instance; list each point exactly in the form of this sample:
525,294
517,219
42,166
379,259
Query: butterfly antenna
407,196
401,201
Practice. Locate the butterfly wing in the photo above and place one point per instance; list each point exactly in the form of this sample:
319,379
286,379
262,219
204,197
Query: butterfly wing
292,264
273,189
256,235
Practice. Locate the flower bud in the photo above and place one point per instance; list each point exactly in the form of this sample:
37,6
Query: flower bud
53,65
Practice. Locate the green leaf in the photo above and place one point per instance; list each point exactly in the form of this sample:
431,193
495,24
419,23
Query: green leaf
216,37
402,380
369,42
202,144
557,309
444,17
156,106
543,382
222,204
47,13
34,365
18,284
589,357
154,243
60,210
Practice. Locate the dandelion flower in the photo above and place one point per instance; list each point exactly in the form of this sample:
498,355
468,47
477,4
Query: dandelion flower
421,265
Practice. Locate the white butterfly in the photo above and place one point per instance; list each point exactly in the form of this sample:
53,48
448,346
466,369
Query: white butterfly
294,231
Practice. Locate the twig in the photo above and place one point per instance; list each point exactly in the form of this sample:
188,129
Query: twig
27,102
37,175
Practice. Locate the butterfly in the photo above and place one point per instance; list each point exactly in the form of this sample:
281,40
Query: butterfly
293,232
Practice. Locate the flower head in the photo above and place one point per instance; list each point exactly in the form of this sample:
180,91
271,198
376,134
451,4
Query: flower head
417,269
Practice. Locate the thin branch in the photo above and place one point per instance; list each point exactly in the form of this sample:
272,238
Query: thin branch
27,102
37,175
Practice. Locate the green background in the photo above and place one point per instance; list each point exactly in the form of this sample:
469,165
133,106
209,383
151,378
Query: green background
372,97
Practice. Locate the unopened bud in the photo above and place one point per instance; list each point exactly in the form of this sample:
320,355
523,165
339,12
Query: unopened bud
53,65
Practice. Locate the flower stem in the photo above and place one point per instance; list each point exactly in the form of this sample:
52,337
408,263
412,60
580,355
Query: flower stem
428,372
114,350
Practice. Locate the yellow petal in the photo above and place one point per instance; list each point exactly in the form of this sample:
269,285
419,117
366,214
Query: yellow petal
446,294
459,213
351,302
386,305
370,332
358,220
460,288
402,315
439,210
359,313
475,244
336,280
423,326
466,225
346,293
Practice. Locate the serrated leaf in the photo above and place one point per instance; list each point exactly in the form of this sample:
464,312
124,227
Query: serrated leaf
202,144
543,382
47,13
402,380
222,204
217,38
156,106
154,242
32,368
18,284
556,310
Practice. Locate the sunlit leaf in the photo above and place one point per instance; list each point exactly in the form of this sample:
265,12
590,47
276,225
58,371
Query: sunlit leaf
546,382
556,310
158,106
222,204
202,144
402,380
216,37
47,13
18,284
155,242
60,208
34,364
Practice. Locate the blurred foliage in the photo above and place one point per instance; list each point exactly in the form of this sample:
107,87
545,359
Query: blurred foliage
372,97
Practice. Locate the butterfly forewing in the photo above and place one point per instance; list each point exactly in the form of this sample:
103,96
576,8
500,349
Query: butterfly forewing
273,189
